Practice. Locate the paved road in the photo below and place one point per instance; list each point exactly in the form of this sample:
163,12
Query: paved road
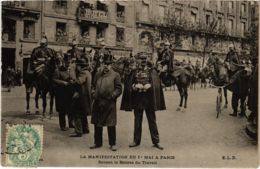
195,138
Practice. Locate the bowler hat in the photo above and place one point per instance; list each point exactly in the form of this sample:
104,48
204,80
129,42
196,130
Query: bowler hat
108,59
82,62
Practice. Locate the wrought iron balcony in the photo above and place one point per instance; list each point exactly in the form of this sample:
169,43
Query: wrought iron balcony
92,15
84,40
14,4
62,38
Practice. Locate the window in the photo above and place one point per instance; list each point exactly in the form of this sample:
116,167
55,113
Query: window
193,17
243,9
207,19
61,32
85,39
230,6
230,26
120,34
178,14
29,29
60,3
101,6
8,29
145,12
120,11
60,6
161,12
100,33
243,28
219,4
193,39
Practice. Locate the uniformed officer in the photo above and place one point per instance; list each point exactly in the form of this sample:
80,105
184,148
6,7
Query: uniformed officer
144,92
74,53
232,60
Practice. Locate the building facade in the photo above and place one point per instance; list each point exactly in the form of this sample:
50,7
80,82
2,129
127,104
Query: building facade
124,26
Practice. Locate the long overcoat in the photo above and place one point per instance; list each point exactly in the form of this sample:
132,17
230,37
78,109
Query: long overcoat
107,88
82,104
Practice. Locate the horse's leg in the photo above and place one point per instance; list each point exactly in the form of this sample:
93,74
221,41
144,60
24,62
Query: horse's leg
181,96
36,98
242,106
226,99
51,103
44,103
185,95
27,102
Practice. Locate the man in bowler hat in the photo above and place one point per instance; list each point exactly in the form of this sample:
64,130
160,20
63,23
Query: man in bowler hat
106,89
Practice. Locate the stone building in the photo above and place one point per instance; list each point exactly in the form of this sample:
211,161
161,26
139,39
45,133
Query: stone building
124,26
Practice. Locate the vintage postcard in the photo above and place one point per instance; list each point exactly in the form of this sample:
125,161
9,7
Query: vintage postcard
129,83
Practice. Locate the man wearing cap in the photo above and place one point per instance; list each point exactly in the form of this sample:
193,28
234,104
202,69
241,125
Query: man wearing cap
166,57
144,92
231,60
41,54
74,53
106,89
81,99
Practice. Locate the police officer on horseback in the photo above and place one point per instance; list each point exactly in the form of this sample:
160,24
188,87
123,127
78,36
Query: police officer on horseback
232,60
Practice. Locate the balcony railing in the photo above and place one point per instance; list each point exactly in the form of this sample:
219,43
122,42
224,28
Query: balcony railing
62,38
84,40
14,4
92,14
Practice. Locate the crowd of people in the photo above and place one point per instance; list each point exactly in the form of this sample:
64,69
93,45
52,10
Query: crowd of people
11,78
86,86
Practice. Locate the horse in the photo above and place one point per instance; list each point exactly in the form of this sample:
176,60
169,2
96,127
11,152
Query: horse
235,82
43,72
194,78
182,77
203,76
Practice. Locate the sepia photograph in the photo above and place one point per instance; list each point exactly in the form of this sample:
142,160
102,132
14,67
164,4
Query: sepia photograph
129,83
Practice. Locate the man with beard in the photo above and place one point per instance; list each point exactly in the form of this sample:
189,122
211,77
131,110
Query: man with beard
106,89
144,92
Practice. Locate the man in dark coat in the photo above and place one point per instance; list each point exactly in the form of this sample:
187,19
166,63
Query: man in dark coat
143,91
81,99
63,94
166,57
74,52
232,60
106,89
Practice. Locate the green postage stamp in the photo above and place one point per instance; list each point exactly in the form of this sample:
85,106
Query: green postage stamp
23,144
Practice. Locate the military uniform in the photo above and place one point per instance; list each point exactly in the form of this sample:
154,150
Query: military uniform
143,91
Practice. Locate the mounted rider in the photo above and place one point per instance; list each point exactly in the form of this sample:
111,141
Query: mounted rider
40,55
165,58
74,53
232,61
